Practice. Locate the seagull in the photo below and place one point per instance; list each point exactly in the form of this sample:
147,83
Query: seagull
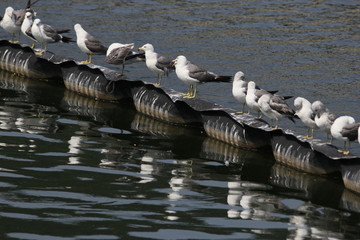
26,27
306,115
156,63
193,75
345,129
275,108
13,19
323,118
253,94
8,23
88,44
45,34
117,53
239,89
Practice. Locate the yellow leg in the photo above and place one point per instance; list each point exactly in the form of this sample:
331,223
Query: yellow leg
88,59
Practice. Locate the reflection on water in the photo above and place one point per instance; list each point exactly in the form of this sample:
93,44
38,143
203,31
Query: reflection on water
71,162
76,168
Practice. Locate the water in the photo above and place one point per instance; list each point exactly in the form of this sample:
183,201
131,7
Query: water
76,168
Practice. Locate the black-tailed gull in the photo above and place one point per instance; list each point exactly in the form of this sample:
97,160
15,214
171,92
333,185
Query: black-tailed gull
8,23
193,75
117,52
306,115
156,62
345,129
275,108
45,34
88,44
239,89
323,118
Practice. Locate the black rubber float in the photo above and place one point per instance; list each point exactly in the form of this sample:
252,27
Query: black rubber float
312,156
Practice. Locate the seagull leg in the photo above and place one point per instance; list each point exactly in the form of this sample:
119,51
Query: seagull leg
122,68
185,95
194,91
158,83
40,52
346,152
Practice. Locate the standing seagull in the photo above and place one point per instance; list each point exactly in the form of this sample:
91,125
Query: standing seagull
156,63
253,95
306,115
45,34
239,89
26,27
275,108
193,75
88,44
117,53
323,118
8,23
345,129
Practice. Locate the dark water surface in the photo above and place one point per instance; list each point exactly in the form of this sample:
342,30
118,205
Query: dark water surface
72,167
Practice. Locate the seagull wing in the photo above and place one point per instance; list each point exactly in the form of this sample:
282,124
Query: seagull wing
199,73
278,104
29,33
164,63
18,16
94,45
351,131
117,55
51,33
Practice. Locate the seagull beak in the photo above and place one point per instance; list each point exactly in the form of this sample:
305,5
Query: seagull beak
140,49
173,62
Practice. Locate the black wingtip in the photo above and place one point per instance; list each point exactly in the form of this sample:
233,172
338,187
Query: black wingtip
224,78
287,97
66,39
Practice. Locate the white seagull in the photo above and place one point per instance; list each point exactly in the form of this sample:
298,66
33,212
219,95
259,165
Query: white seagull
275,108
306,115
26,27
45,34
88,44
253,95
323,118
345,129
239,89
193,75
8,23
117,53
156,63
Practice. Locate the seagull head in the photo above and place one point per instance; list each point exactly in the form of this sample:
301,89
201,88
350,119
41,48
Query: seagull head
37,21
9,11
239,76
318,108
77,27
28,15
251,85
180,60
298,102
147,47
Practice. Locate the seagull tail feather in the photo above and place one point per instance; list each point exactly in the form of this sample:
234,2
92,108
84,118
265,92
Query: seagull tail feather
223,78
66,39
287,97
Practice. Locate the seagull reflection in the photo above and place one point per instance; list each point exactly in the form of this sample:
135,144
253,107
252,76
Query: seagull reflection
255,205
74,149
148,168
307,225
